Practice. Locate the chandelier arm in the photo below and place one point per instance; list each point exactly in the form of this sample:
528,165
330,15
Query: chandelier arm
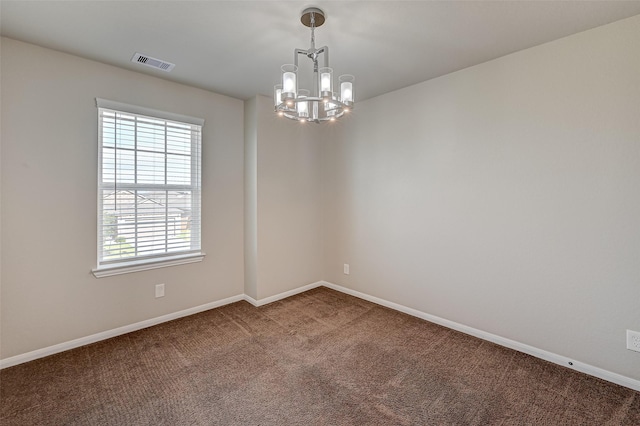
297,52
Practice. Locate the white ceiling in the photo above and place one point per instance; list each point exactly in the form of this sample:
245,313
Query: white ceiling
237,47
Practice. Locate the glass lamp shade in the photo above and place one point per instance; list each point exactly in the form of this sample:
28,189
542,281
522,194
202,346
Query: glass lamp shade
326,82
347,83
289,82
277,94
303,106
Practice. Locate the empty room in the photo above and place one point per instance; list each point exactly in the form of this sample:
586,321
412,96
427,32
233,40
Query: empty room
323,213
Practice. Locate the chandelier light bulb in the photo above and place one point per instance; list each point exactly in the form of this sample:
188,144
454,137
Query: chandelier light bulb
346,91
289,81
326,82
277,94
346,88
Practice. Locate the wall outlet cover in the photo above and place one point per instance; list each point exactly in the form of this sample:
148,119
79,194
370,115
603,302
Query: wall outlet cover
633,340
159,290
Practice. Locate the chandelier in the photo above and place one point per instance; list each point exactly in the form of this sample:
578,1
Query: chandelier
322,103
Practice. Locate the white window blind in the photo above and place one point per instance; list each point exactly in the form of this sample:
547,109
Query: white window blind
148,185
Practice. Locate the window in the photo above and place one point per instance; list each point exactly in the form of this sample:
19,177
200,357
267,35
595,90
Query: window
148,188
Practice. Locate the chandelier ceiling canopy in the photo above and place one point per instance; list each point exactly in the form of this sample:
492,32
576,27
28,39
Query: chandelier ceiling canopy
320,103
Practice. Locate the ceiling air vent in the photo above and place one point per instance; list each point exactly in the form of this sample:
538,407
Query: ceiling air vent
152,62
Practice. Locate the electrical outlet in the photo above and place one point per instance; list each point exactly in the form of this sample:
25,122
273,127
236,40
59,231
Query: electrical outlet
346,269
633,340
159,290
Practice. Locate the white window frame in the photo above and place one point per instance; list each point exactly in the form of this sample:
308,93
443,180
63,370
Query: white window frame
123,266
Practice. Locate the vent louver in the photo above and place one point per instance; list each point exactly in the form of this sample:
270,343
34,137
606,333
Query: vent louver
153,62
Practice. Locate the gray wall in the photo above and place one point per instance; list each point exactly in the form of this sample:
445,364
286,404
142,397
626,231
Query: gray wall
49,200
251,198
504,197
289,239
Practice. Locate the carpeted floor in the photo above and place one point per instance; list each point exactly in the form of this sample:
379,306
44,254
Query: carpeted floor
318,358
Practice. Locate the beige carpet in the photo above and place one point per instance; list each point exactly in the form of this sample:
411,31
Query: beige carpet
318,358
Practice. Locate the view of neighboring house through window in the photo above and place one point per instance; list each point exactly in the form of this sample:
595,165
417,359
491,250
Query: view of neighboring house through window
148,186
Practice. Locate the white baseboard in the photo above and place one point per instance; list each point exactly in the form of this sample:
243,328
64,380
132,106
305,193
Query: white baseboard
284,295
512,344
72,344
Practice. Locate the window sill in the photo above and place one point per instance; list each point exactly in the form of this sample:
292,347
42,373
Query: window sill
145,265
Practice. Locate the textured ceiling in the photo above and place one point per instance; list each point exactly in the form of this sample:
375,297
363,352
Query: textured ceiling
237,47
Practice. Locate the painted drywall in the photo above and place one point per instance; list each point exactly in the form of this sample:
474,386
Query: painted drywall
49,200
505,197
289,240
251,198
